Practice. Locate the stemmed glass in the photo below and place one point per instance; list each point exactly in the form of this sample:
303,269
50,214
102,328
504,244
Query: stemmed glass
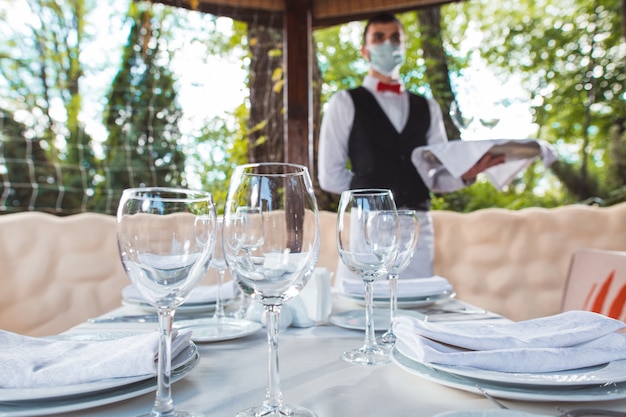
461,120
367,239
166,238
220,326
409,233
219,264
250,219
271,244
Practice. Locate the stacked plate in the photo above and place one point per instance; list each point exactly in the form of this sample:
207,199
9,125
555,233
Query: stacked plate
410,301
412,292
201,300
186,308
63,399
597,383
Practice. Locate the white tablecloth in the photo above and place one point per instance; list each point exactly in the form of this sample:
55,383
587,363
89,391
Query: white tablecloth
232,376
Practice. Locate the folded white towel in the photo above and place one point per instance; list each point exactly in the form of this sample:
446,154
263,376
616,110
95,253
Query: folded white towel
407,287
569,340
30,362
199,295
458,156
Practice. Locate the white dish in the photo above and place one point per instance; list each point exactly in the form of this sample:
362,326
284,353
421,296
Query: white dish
355,319
607,373
208,330
404,302
587,393
489,413
100,336
183,308
89,398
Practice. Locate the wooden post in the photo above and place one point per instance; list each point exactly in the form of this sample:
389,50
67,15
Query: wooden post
297,88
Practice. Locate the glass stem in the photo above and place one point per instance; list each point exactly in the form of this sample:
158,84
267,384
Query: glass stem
370,336
219,303
393,299
244,303
163,404
273,396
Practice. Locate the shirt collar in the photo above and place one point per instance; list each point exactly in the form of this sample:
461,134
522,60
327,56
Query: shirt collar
370,83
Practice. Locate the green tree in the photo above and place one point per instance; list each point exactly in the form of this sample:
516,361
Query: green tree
571,59
41,69
24,169
142,115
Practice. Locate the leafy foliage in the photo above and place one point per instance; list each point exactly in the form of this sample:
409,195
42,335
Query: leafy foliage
142,115
571,58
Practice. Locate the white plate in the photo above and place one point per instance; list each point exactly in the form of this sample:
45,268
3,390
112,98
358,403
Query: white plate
47,393
489,413
183,308
181,367
607,373
586,393
355,319
404,302
208,330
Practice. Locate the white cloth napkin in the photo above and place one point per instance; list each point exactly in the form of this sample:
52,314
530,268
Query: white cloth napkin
458,156
200,295
30,362
568,340
407,287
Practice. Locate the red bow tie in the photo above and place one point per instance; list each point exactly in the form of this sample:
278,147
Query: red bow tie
394,88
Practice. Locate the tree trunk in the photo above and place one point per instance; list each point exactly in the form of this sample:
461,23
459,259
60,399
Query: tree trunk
266,124
325,200
437,72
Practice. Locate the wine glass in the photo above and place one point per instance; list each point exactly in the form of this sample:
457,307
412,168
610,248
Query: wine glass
271,245
220,326
248,219
219,264
461,120
367,239
166,238
409,233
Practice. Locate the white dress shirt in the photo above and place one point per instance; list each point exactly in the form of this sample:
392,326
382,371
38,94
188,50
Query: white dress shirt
333,174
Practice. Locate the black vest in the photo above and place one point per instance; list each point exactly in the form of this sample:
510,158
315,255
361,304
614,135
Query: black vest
380,157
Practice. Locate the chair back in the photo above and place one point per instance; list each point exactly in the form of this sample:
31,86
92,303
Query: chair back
596,282
57,271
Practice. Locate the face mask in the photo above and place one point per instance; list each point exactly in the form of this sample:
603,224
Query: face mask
386,57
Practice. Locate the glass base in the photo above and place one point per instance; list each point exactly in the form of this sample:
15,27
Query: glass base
387,340
281,411
175,413
367,356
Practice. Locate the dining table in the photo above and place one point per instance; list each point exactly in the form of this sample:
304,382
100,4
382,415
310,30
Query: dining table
231,375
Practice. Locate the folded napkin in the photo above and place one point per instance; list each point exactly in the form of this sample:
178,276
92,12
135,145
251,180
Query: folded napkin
200,295
311,306
407,287
458,156
569,340
30,362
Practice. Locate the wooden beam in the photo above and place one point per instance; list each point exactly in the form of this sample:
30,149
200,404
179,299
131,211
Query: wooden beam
298,95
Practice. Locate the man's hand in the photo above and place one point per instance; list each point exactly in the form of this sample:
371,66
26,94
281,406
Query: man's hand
487,161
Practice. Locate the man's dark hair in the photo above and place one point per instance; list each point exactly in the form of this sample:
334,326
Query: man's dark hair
383,17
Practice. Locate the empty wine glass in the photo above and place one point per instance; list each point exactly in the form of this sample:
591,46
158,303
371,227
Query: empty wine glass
367,239
220,326
250,220
219,264
462,120
271,245
409,233
166,238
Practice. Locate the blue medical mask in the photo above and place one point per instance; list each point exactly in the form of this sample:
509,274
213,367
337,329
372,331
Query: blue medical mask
386,57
